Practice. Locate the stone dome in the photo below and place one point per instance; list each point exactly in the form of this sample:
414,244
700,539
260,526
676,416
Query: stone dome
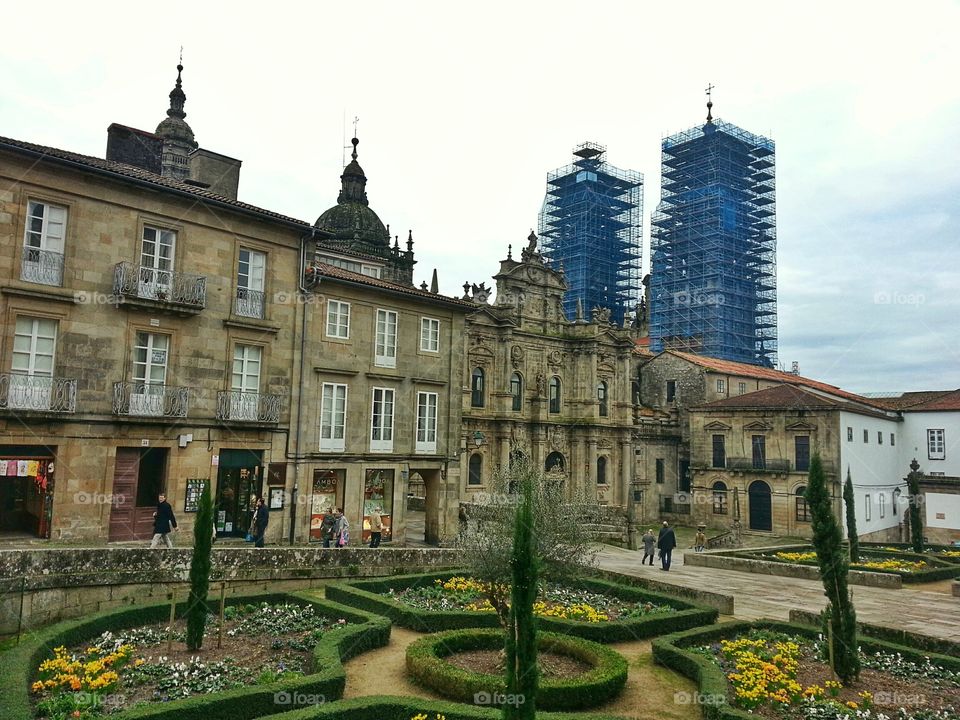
351,219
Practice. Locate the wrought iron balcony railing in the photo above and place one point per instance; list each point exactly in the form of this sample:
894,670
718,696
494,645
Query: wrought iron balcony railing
36,393
147,283
147,400
42,266
249,303
248,407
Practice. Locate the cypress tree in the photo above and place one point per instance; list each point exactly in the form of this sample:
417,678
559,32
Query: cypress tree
521,636
200,571
852,537
916,524
839,615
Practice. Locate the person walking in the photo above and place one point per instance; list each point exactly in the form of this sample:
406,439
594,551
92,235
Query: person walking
341,531
261,518
376,527
666,543
649,543
163,521
700,541
327,524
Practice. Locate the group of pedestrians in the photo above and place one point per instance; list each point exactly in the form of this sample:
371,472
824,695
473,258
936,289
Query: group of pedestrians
665,542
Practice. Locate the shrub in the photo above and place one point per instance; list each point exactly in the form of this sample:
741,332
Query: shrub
200,571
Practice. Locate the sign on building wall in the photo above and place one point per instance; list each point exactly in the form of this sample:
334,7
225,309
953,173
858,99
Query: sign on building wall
191,500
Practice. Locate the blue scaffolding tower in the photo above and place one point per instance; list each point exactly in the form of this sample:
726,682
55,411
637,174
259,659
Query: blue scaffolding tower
713,280
591,226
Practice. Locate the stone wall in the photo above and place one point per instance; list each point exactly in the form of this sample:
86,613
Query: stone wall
56,584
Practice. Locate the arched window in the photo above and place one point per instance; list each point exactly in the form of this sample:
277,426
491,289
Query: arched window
476,467
719,498
476,388
602,398
803,510
554,394
554,463
601,470
516,391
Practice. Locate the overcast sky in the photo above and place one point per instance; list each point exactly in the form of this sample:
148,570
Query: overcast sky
465,108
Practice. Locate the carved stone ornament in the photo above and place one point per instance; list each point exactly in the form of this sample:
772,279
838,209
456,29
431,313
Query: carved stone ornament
555,357
604,444
558,438
516,356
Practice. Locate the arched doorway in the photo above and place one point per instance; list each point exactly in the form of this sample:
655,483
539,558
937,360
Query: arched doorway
761,517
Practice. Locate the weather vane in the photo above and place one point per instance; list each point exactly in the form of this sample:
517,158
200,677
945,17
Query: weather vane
355,121
709,102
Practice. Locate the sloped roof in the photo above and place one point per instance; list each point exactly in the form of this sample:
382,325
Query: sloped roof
909,401
335,273
786,397
945,402
141,176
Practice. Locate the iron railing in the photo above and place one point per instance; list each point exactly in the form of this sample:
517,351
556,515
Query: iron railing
249,303
248,407
42,266
148,283
32,392
147,400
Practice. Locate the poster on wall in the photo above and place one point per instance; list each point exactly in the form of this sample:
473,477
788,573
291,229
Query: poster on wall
191,500
378,493
327,492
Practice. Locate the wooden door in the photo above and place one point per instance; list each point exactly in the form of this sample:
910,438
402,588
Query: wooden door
123,505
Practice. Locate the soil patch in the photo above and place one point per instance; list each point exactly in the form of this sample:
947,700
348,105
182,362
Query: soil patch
490,662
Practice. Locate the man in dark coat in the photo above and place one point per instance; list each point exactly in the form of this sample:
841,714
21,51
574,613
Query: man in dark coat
666,543
163,521
326,527
260,520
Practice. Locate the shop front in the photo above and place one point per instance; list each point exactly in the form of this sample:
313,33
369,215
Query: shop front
326,493
26,490
239,481
378,494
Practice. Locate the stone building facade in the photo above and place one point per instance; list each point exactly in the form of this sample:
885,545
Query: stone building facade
537,383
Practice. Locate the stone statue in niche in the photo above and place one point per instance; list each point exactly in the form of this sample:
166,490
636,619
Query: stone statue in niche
541,385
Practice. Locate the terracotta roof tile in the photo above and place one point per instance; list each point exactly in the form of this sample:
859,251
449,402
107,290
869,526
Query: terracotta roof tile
336,273
946,401
789,397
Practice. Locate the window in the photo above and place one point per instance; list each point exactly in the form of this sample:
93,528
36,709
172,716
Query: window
554,463
803,510
386,342
554,394
866,507
660,471
671,390
879,437
359,268
935,445
719,451
896,501
245,382
476,468
43,244
601,471
802,452
381,421
893,439
602,398
338,319
155,279
150,355
721,387
882,501
866,435
516,392
719,498
849,434
476,388
759,452
333,417
429,335
370,271
31,379
742,388
251,270
426,422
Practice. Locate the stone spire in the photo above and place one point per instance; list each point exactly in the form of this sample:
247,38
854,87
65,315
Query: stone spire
353,183
178,141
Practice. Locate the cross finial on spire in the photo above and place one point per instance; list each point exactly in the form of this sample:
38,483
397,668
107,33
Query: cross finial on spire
709,92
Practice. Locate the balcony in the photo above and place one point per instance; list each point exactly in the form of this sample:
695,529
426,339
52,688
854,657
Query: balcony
32,393
182,293
137,399
235,406
42,266
249,303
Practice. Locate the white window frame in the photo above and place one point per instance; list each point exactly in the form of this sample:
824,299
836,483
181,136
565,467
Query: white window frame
882,500
721,386
382,408
338,318
866,507
245,381
150,401
333,417
426,440
253,280
373,271
429,335
157,266
936,444
385,342
34,356
43,232
742,387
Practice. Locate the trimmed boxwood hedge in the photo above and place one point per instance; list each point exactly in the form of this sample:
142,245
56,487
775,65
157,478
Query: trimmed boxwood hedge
367,594
246,703
386,707
672,652
427,665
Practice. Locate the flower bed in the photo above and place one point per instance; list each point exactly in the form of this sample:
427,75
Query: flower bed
217,691
428,665
382,595
777,670
911,567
